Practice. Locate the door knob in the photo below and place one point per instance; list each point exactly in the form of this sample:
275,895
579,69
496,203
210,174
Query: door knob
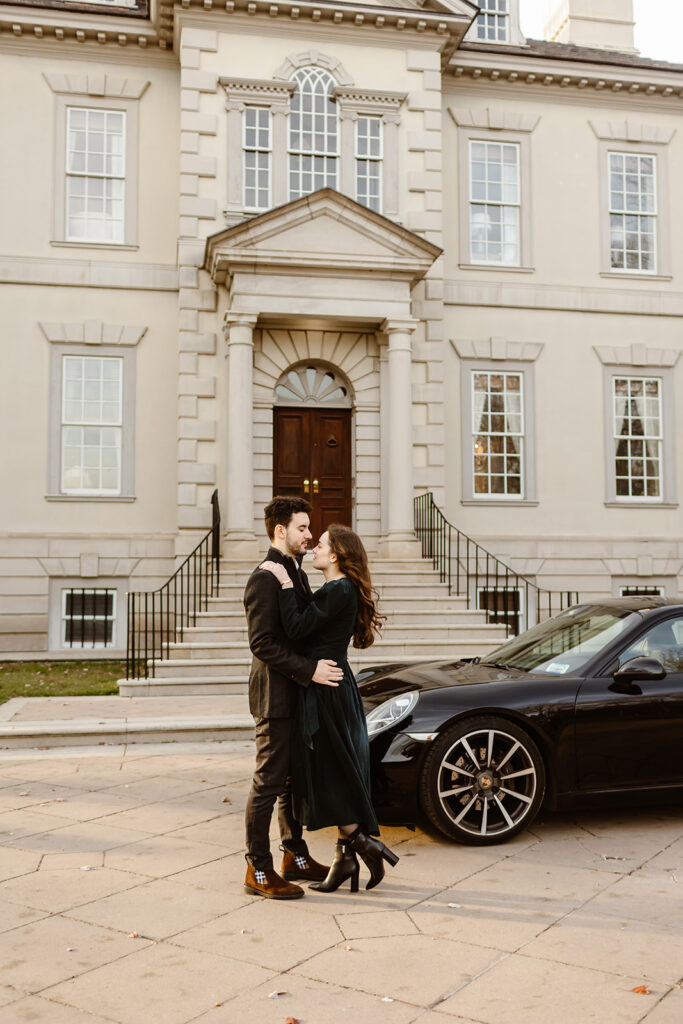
315,487
307,486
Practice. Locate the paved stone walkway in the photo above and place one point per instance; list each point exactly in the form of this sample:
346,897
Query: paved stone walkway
121,900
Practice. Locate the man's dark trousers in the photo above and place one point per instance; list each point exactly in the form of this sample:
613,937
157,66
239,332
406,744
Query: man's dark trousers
278,669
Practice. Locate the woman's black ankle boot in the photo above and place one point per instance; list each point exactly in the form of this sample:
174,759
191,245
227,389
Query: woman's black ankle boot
374,853
345,865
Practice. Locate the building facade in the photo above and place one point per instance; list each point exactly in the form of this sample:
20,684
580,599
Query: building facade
356,251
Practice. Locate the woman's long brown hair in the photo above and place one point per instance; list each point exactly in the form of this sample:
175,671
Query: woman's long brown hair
353,562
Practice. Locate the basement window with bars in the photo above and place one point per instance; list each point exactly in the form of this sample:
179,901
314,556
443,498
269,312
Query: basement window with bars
88,617
636,591
503,605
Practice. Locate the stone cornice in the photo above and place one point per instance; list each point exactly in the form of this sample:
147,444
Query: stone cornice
494,117
633,131
92,332
506,68
497,349
637,355
39,24
109,86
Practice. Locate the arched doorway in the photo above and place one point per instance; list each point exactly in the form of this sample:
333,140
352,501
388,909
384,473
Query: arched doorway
312,441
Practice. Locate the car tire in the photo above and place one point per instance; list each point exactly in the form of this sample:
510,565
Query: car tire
482,781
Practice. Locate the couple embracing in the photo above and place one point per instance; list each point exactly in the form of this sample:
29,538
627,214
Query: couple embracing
312,750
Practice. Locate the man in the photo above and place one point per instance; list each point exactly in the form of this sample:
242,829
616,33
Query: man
277,669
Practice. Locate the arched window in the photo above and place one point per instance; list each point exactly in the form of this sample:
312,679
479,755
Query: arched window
313,133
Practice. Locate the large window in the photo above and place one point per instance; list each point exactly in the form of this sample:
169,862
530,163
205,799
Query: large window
95,175
495,202
633,212
638,434
92,423
257,149
492,24
313,133
497,434
369,162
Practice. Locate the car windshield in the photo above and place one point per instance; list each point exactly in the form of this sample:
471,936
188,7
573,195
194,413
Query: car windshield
566,643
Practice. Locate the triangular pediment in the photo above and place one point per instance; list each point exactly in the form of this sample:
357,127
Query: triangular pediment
322,232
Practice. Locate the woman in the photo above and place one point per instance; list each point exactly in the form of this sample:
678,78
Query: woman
330,748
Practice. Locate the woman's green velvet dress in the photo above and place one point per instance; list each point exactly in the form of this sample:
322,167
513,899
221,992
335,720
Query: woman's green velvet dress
330,749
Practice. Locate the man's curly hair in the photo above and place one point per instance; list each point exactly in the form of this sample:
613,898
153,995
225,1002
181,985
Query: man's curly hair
279,511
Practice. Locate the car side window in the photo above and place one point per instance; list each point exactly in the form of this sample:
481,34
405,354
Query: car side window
664,641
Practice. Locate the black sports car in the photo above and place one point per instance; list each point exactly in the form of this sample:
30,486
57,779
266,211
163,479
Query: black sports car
589,702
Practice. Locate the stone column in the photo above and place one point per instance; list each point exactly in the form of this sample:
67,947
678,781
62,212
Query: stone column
399,540
239,505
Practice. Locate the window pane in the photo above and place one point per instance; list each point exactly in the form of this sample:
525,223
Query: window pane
497,433
313,109
637,436
494,203
633,208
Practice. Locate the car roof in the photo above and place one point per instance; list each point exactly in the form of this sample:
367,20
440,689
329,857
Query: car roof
634,603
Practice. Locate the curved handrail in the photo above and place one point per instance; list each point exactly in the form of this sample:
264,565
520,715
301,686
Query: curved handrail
158,618
505,595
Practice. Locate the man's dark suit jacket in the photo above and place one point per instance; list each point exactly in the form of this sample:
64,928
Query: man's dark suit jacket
277,665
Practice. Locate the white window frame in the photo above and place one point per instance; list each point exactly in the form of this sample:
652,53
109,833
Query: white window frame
667,498
639,215
84,424
373,161
87,176
513,31
329,153
500,204
493,14
644,590
258,151
55,490
520,137
55,630
518,436
468,367
91,589
655,439
98,92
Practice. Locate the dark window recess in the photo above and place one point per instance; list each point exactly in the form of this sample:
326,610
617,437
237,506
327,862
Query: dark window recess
642,591
501,605
89,618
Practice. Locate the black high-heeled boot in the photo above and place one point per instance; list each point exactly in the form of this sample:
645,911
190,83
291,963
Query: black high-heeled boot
374,853
345,865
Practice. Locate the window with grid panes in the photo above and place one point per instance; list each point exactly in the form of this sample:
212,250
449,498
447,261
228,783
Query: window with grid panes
497,433
502,605
257,158
313,133
95,175
88,617
633,212
92,422
493,21
369,162
638,437
636,591
494,202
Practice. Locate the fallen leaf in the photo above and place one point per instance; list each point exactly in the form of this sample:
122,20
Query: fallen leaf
225,800
87,867
607,856
25,793
642,990
71,949
292,1020
133,935
387,999
456,906
276,994
349,949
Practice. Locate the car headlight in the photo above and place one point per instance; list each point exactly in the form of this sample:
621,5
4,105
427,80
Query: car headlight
390,712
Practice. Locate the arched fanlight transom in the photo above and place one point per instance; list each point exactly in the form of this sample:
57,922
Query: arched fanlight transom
312,385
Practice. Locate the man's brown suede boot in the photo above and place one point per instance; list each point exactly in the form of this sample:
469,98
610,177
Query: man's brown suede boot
300,867
269,884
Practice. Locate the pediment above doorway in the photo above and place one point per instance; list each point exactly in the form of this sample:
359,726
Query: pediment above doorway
322,233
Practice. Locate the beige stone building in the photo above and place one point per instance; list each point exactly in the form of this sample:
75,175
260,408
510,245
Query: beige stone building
359,251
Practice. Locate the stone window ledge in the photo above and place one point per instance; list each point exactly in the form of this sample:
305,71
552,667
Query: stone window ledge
499,268
90,497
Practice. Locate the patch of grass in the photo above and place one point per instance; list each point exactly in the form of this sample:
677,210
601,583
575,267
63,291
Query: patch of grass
59,678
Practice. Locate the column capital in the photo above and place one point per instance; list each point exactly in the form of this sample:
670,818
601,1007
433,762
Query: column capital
233,318
404,326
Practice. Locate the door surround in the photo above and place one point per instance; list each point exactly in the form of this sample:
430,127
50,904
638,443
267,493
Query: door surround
353,356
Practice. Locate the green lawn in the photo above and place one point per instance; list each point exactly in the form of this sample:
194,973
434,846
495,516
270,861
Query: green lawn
59,678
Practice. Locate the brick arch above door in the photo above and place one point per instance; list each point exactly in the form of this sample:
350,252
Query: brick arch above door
355,355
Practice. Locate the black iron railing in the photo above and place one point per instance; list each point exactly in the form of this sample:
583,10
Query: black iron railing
485,581
158,618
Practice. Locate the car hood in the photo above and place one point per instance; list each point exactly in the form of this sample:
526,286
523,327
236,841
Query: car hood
389,681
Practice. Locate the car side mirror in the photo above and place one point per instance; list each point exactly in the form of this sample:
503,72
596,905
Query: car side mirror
639,668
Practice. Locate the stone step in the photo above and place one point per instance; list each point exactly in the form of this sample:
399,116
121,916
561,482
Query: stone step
419,617
405,598
184,686
238,635
418,587
231,668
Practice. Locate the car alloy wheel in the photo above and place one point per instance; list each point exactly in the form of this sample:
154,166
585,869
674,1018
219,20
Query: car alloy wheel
483,781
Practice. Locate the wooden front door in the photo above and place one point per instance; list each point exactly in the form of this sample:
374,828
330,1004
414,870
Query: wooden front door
312,458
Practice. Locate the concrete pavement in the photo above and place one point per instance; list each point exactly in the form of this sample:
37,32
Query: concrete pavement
121,901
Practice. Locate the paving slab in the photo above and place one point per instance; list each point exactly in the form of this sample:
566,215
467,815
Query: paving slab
564,921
